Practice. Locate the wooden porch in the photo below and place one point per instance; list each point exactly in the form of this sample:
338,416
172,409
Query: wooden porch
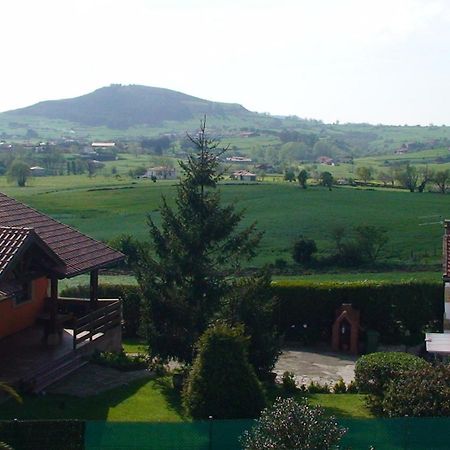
29,358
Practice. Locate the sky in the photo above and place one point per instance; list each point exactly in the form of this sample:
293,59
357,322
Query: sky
382,61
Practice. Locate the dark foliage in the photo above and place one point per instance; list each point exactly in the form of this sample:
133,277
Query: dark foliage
251,304
43,434
222,383
400,311
373,373
182,274
303,250
423,392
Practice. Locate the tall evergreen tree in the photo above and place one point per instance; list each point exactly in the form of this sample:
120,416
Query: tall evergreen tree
183,275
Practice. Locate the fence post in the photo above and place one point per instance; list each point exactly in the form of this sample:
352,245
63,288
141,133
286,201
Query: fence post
210,424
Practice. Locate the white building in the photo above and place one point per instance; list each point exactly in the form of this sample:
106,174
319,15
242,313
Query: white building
161,173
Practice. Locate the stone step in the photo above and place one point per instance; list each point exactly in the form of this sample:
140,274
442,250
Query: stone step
52,372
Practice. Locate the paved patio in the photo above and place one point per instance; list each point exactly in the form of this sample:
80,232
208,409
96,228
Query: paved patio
317,365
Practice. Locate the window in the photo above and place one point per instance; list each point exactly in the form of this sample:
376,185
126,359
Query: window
25,295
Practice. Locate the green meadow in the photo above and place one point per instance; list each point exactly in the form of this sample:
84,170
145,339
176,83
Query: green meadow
105,207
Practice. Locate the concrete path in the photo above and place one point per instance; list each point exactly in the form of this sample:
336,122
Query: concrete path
316,365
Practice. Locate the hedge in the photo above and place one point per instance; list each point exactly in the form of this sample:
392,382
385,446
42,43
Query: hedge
399,311
43,435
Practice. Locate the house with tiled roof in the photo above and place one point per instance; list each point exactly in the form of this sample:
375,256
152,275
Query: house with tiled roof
36,324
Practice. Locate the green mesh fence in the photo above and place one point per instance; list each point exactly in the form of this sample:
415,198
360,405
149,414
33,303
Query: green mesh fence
379,434
208,435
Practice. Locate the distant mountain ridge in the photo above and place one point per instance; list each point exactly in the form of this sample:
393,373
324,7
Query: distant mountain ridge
121,107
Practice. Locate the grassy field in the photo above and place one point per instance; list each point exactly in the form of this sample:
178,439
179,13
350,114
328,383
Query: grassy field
146,401
105,207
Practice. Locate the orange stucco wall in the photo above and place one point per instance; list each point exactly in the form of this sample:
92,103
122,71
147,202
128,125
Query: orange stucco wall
15,318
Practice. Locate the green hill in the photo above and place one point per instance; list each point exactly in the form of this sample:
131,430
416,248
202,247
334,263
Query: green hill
121,107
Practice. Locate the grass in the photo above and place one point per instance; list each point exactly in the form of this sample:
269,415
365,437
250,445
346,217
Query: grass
134,345
106,208
345,406
146,401
143,400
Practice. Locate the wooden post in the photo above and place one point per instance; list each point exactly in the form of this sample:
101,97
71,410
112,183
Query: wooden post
53,303
94,289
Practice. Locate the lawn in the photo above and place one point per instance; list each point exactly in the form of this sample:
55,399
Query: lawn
146,401
143,400
106,207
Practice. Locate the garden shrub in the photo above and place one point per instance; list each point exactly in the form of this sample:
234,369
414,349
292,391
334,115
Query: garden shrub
43,434
423,392
289,425
340,387
288,383
374,371
315,387
120,361
222,383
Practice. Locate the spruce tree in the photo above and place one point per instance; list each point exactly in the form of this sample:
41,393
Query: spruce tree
183,274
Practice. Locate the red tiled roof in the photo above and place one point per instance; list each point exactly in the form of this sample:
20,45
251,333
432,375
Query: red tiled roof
11,241
78,252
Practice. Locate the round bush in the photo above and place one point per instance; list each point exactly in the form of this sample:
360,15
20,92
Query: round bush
375,370
289,425
423,392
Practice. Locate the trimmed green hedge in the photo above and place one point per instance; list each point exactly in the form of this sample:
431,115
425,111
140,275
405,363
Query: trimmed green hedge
400,312
42,434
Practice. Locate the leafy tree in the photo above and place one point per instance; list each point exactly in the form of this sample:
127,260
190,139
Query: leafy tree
251,305
371,240
425,175
327,180
18,172
289,175
303,178
441,178
365,173
182,274
387,177
303,250
222,383
292,425
129,246
408,177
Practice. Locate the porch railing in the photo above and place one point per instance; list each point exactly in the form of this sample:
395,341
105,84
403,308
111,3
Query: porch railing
101,320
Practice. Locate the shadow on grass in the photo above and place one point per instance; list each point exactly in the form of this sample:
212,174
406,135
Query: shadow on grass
172,395
68,407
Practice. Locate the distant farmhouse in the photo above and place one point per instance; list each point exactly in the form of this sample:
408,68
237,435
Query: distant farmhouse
38,171
325,160
99,145
161,173
244,175
239,159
